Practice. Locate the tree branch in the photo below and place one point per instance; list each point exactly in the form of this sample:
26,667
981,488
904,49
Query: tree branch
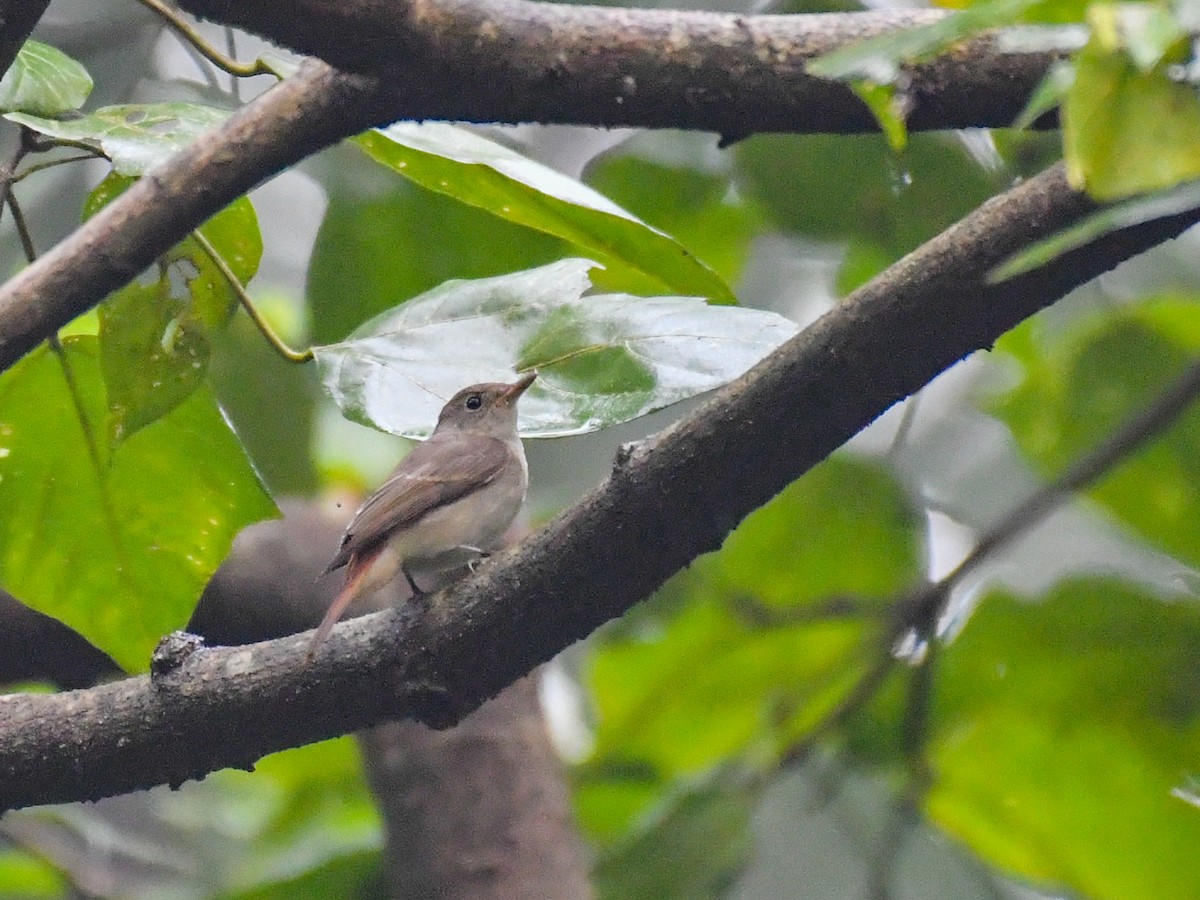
523,61
319,107
688,487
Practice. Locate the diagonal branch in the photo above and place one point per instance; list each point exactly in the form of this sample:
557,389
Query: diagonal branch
523,61
667,501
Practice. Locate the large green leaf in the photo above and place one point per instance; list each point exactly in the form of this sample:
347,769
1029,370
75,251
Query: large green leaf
1079,388
156,337
747,651
681,198
384,239
1129,126
474,170
1060,732
25,876
118,544
135,137
43,81
601,359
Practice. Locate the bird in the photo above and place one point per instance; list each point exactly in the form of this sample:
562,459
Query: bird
444,505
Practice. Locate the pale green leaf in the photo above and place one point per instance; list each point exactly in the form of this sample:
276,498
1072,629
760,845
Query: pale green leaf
135,137
44,81
1060,732
601,359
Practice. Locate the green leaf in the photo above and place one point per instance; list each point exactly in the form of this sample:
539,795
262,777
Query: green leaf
1059,732
1080,388
693,847
43,81
887,106
135,137
750,649
376,246
482,173
23,877
117,545
156,337
601,359
779,557
1126,129
1050,93
680,196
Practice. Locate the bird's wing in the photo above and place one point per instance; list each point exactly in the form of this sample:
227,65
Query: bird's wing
435,473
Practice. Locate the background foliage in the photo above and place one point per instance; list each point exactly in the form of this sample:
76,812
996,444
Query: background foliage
754,728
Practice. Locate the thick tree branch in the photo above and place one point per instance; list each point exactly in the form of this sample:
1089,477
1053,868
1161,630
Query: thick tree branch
481,810
523,61
320,106
687,488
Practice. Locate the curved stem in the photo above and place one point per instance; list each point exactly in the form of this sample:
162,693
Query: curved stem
189,33
51,163
296,356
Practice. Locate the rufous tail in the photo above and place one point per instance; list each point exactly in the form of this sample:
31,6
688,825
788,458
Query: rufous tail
356,573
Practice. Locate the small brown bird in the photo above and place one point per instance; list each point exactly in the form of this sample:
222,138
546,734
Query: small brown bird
446,503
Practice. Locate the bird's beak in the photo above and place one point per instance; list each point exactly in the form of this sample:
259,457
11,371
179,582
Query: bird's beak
516,390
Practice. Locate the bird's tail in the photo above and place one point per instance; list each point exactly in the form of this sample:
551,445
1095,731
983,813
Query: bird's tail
356,573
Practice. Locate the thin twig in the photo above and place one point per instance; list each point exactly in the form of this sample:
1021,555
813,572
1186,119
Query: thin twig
925,604
189,32
1139,428
51,163
296,356
22,226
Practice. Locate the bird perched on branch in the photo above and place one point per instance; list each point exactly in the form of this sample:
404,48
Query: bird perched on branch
445,505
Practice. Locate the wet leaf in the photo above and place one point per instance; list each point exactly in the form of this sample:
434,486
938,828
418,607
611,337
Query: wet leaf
1060,730
601,359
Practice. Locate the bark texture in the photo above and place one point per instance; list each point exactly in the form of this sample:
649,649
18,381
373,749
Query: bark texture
480,811
523,61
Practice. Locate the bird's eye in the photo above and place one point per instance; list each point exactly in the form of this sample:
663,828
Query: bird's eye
474,401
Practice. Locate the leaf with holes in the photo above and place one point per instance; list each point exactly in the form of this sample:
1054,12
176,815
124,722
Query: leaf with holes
135,137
